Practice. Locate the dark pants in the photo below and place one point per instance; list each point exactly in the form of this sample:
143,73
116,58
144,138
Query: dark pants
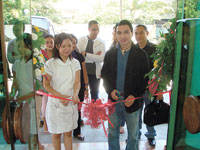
94,86
77,131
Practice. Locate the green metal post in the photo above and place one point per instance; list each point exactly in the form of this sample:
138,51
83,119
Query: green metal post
190,58
171,128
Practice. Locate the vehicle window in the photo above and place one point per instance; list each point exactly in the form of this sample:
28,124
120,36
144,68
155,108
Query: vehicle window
40,22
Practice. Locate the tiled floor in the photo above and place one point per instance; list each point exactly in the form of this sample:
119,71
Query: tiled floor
95,139
97,135
143,145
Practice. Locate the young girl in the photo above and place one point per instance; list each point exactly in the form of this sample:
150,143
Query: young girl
63,80
47,53
49,43
84,84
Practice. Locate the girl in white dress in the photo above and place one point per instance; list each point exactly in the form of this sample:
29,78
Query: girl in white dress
62,79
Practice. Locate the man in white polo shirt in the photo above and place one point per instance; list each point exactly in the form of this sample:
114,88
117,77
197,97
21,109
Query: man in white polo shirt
93,49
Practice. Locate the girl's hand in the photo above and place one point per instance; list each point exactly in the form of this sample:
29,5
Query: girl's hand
64,102
75,99
86,93
98,53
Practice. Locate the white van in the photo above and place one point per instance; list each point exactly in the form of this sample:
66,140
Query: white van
43,23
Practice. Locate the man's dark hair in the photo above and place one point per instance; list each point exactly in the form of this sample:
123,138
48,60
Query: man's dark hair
126,22
143,26
92,22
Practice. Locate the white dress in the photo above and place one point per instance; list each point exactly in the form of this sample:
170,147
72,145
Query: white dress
61,118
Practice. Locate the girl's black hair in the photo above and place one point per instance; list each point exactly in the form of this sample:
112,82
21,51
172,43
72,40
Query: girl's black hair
27,38
48,35
58,42
74,37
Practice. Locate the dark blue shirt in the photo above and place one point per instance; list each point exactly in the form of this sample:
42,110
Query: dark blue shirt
121,68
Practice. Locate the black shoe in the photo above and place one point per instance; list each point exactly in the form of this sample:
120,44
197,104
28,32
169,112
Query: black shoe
79,137
152,142
126,141
41,123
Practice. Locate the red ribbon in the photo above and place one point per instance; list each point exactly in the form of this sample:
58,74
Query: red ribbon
49,95
95,111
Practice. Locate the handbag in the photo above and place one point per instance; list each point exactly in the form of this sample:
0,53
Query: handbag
157,112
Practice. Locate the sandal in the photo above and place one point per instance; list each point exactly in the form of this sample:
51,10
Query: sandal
79,137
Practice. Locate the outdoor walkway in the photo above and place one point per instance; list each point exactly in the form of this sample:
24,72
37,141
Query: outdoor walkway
95,139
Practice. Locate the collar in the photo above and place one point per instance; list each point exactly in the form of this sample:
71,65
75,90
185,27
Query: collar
118,47
145,45
96,39
59,61
90,39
